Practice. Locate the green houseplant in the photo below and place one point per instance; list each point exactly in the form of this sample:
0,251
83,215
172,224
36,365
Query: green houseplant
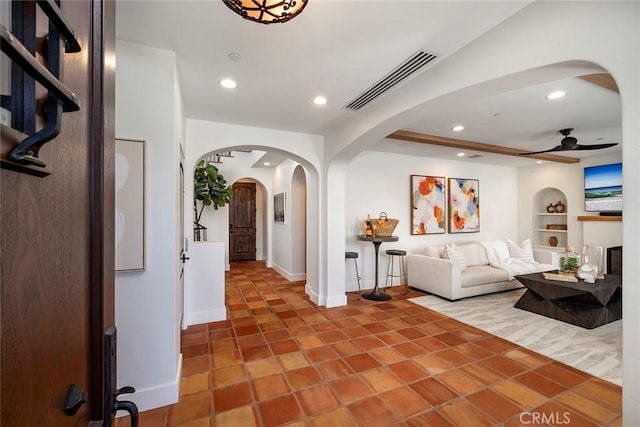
211,189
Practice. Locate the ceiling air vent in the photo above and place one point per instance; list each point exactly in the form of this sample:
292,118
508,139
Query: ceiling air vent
401,72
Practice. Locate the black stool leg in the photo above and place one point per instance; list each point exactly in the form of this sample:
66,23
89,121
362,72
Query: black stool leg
355,260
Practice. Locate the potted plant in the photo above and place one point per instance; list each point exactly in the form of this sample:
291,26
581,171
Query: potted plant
211,189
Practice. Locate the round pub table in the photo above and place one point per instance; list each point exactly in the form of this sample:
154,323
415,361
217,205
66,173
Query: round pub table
376,295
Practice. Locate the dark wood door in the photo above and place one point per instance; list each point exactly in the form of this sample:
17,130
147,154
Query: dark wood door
242,222
57,239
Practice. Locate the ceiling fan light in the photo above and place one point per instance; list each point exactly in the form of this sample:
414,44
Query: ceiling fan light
267,11
556,94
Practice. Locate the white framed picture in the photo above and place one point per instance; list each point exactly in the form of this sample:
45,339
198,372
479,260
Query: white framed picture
129,214
278,207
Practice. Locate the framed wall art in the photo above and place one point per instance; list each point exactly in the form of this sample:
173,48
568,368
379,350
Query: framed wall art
278,207
464,205
428,204
129,221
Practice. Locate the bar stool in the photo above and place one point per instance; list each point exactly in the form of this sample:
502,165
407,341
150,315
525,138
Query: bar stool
354,257
398,254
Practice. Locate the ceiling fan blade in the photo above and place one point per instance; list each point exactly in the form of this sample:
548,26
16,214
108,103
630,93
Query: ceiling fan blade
556,148
594,146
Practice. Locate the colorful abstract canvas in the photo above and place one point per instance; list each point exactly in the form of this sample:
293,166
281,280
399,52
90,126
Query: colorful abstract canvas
428,214
464,205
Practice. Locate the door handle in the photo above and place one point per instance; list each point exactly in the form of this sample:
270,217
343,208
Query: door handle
76,397
126,405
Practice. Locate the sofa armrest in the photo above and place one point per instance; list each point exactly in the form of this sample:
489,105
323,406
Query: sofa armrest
434,275
544,256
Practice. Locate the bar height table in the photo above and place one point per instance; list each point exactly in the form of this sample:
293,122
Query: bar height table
376,295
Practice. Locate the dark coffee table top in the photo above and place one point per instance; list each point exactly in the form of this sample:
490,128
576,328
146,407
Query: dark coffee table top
602,290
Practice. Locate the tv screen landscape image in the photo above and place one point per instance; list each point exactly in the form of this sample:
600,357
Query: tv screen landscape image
603,188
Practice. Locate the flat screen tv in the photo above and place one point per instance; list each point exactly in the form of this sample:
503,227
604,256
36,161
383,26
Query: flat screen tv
603,189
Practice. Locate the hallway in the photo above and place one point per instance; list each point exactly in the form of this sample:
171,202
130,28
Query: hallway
281,360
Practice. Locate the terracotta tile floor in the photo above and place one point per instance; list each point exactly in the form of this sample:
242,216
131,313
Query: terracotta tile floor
281,360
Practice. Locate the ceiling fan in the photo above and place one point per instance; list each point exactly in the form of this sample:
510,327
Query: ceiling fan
569,143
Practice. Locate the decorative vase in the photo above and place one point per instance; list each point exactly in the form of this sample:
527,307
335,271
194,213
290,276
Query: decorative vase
595,256
553,241
559,207
587,272
551,208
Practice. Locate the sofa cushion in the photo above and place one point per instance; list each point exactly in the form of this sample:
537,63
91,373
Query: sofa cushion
453,253
523,252
482,275
434,251
470,253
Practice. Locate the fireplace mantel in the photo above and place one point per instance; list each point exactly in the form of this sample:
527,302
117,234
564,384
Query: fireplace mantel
599,218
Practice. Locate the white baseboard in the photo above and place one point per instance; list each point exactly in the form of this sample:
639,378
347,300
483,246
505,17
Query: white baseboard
155,397
292,277
331,301
200,317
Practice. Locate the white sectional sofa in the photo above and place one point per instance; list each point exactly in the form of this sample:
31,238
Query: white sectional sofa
478,268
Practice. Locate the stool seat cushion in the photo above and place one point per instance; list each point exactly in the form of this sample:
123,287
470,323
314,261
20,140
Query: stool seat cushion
396,252
351,254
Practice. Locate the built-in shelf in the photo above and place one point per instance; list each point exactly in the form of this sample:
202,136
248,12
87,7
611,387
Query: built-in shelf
545,200
599,218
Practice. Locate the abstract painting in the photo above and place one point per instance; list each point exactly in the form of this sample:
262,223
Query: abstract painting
464,205
428,214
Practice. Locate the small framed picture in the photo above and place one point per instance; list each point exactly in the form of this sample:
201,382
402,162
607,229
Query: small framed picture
278,207
428,215
464,205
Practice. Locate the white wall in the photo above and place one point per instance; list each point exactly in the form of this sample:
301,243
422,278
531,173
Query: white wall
299,223
148,304
379,182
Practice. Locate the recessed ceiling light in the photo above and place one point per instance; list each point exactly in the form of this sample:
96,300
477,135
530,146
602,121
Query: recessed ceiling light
460,154
266,163
556,94
320,100
228,83
539,161
457,128
234,56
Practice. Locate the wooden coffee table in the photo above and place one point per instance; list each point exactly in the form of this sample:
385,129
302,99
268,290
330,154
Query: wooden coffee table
588,305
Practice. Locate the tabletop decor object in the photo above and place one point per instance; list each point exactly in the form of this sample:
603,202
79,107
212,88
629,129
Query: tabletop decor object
385,225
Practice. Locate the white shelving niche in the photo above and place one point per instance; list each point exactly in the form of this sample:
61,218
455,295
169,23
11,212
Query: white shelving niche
542,219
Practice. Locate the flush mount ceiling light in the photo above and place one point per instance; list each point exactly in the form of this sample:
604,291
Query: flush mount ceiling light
556,95
228,83
320,100
267,11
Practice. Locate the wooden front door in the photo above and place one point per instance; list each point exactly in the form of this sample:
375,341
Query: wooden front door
242,222
57,235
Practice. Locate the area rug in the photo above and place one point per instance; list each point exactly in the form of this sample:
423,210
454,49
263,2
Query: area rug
597,351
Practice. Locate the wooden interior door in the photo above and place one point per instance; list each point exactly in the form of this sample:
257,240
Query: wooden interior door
242,222
57,237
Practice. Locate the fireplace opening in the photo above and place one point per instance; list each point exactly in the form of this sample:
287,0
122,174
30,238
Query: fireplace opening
614,260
